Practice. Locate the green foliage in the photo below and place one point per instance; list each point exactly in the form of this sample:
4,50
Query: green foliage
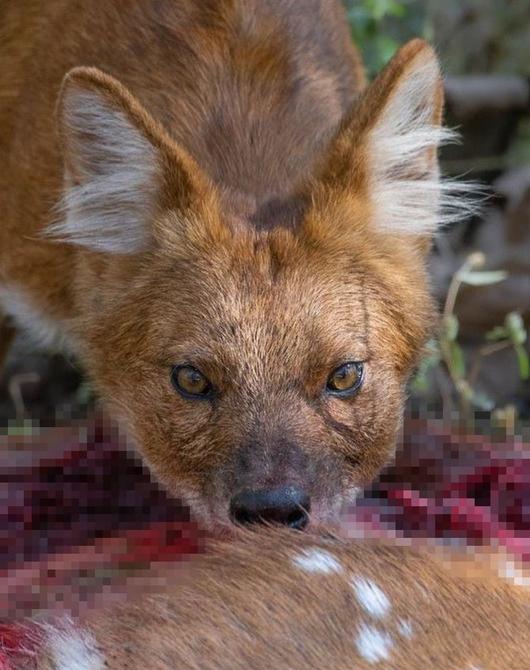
471,36
430,360
379,27
366,19
445,349
514,334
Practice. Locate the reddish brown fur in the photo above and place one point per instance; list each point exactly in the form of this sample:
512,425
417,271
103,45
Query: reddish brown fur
265,268
251,606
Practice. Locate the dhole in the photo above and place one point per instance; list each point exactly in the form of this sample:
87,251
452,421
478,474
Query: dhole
204,202
277,599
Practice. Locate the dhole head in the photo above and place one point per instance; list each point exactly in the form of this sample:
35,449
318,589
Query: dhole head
260,370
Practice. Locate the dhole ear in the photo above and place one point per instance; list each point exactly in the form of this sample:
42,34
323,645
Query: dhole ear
388,148
116,157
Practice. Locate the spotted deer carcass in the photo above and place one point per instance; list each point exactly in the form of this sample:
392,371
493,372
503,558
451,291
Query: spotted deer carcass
283,600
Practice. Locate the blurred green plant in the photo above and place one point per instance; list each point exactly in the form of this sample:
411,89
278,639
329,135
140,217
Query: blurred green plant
379,27
446,350
366,19
512,334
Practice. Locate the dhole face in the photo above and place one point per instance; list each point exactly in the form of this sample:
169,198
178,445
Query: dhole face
266,318
240,271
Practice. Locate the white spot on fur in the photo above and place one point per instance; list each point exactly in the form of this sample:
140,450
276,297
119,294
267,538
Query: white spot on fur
509,571
317,560
111,185
75,650
373,645
15,304
405,628
371,598
407,191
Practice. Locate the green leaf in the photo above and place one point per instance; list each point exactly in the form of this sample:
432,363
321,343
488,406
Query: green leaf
497,333
479,278
398,10
419,383
523,361
430,360
457,361
381,8
449,328
377,8
386,48
515,326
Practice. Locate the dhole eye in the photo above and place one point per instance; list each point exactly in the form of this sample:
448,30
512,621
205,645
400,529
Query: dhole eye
189,382
346,380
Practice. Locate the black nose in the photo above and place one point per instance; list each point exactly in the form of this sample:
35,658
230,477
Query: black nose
287,505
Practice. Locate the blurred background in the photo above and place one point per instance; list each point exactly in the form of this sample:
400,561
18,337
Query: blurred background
476,369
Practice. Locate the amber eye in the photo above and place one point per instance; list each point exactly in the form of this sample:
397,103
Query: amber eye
346,379
189,382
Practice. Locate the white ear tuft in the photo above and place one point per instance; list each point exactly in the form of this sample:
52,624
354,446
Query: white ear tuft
408,193
111,176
